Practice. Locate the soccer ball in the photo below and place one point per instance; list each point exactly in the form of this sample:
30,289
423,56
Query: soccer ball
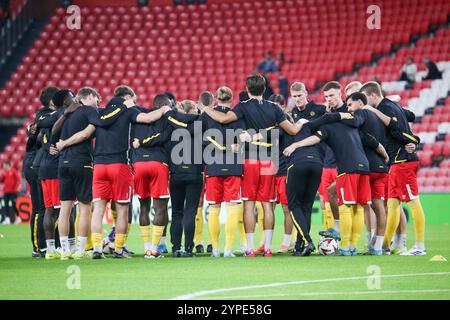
327,246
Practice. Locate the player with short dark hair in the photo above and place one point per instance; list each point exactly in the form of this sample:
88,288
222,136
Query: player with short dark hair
401,145
262,117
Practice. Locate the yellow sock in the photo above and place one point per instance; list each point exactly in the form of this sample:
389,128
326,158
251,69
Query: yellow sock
330,218
260,211
97,241
214,226
419,219
89,244
77,218
357,224
120,241
294,235
198,226
242,238
345,218
325,218
392,220
233,213
127,233
157,234
145,233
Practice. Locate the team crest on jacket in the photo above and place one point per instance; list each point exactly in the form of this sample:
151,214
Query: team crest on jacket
312,113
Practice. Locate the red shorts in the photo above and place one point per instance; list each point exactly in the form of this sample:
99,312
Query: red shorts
151,180
50,190
280,185
353,188
403,181
328,177
113,182
258,183
223,189
378,181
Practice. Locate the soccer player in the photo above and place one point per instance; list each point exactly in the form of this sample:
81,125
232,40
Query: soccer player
48,173
334,102
260,117
45,98
280,181
223,173
401,145
309,110
353,182
75,169
303,179
113,179
13,182
378,160
206,99
151,167
36,219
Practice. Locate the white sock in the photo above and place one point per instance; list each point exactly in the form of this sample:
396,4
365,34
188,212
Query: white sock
402,241
162,241
345,248
287,239
72,244
112,245
250,237
352,247
378,242
336,225
369,237
420,245
81,244
372,241
268,234
65,244
147,246
50,245
153,248
395,240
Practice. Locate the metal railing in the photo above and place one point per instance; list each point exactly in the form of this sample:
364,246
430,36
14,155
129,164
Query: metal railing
12,31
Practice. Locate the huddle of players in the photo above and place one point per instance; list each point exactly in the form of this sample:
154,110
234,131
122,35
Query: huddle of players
104,174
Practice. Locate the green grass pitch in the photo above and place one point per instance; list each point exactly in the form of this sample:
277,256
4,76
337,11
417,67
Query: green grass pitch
280,277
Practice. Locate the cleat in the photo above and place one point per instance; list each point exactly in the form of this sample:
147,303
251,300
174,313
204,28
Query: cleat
249,254
35,254
354,252
53,255
215,253
98,255
308,249
374,252
199,249
414,251
345,253
153,255
297,253
129,252
228,254
82,255
398,250
267,253
112,234
121,255
283,249
338,252
177,254
162,248
260,250
209,248
188,254
291,247
330,233
386,251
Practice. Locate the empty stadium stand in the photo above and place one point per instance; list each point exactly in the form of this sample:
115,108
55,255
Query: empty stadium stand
188,49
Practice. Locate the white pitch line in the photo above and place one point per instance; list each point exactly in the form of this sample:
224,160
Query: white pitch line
329,293
197,294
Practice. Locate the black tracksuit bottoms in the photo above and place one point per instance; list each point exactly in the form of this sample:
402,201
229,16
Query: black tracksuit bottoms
302,183
185,198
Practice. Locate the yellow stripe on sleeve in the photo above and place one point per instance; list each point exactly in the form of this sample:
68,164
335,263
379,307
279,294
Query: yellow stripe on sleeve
150,138
178,123
216,144
109,115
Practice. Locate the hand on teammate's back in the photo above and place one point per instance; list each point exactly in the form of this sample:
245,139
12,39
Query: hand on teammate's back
166,109
60,145
245,137
53,150
136,143
74,106
129,103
